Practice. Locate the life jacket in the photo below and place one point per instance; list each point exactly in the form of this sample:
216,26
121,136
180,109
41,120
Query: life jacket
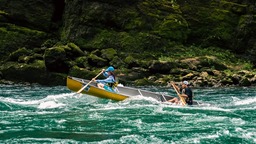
114,84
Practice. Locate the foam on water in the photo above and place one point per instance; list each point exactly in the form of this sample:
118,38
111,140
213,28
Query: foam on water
247,101
52,115
50,101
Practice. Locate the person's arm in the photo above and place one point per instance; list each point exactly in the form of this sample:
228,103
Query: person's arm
184,95
107,80
105,74
176,87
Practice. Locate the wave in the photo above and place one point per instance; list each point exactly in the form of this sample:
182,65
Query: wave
245,101
50,101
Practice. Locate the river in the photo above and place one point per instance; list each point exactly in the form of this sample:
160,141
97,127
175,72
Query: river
39,114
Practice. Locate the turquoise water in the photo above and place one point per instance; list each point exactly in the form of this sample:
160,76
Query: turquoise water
37,114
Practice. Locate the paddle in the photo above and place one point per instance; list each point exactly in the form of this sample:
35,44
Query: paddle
181,98
89,82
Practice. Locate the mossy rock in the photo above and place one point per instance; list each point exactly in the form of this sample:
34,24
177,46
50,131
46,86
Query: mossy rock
82,62
108,54
245,82
49,43
1,75
14,56
96,61
227,81
117,62
130,75
210,24
234,7
83,73
32,73
212,63
143,82
14,37
56,60
131,61
34,14
162,67
173,27
75,50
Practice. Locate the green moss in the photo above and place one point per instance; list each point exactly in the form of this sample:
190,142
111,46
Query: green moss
108,53
144,81
14,37
81,62
117,62
173,27
3,13
75,49
129,59
14,56
33,73
56,59
49,43
232,6
212,57
96,61
82,73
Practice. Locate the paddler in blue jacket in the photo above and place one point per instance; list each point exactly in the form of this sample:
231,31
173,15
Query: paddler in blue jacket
109,83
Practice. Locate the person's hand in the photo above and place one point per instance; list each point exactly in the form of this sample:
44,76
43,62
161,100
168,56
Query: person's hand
103,70
93,79
170,83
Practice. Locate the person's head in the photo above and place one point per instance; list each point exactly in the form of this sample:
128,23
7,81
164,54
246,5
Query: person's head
185,84
110,70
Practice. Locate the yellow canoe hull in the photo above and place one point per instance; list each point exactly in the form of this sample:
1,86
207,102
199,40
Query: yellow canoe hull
75,85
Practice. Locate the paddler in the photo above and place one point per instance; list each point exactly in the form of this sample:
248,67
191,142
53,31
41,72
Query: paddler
109,83
186,93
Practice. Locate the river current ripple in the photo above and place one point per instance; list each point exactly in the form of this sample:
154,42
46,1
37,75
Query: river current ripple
38,114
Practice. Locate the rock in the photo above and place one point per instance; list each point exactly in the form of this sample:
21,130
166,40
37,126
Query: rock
22,52
83,73
143,81
226,81
32,73
192,63
253,80
152,78
82,62
131,61
161,67
244,82
75,50
217,73
189,76
211,62
36,14
56,60
117,62
243,72
108,54
96,61
236,78
1,75
204,74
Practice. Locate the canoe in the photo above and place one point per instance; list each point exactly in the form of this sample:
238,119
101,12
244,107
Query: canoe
75,84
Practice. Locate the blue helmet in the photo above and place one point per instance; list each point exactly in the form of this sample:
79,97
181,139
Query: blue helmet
110,69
